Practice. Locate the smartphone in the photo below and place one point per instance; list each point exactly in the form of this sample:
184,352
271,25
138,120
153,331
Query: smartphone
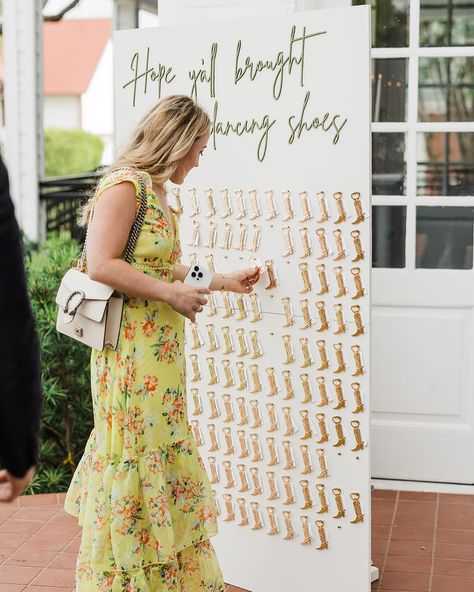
198,276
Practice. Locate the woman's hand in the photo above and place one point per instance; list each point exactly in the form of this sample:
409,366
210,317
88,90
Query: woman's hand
242,281
11,487
187,300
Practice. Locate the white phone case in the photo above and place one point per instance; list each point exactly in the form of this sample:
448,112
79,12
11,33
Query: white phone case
198,276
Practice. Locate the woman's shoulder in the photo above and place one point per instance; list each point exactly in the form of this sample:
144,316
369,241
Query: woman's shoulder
116,175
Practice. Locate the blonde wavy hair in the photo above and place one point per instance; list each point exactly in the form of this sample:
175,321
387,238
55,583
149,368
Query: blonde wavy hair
162,138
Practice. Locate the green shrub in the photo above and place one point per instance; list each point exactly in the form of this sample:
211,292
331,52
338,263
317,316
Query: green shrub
71,151
67,408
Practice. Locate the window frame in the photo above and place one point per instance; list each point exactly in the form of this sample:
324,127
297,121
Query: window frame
411,127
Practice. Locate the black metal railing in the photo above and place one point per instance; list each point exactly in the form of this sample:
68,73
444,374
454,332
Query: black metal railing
64,198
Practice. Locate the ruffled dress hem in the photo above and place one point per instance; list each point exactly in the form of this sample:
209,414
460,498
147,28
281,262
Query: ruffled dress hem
144,510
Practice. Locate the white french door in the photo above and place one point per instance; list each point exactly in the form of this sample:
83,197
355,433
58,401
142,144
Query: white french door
423,307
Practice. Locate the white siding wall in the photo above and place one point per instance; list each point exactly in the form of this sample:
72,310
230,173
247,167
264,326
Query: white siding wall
187,11
62,112
98,103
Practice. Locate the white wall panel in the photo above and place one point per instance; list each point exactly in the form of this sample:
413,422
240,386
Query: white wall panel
422,362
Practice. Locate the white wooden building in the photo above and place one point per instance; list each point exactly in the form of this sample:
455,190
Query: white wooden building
423,217
78,77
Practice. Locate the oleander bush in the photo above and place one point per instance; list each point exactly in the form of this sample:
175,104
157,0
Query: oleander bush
67,408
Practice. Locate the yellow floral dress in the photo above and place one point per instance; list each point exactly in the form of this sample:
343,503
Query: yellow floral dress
141,491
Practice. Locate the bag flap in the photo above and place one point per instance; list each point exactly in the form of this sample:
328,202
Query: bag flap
77,280
96,294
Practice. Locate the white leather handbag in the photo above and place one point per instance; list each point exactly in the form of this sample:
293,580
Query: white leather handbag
89,311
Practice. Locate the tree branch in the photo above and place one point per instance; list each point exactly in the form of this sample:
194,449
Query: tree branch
59,15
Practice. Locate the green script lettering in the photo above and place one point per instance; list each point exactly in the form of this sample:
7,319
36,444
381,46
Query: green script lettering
249,126
161,73
325,123
280,64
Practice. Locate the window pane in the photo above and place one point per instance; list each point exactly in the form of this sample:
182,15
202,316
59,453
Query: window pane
389,78
446,89
446,22
445,163
389,22
388,164
444,237
388,236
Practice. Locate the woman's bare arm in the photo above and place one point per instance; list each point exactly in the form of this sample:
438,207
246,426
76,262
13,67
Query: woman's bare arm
180,271
219,280
114,213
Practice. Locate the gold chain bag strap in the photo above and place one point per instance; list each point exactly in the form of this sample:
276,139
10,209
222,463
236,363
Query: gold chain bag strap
89,311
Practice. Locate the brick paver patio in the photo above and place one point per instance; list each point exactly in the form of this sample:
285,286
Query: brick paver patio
422,542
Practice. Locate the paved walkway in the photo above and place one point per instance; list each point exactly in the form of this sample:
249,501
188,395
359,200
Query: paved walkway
422,542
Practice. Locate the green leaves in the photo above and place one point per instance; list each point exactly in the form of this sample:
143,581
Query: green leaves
71,151
67,409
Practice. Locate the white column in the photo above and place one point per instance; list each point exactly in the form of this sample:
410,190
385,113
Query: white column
22,33
125,14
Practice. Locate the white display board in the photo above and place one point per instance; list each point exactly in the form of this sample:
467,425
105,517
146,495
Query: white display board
285,179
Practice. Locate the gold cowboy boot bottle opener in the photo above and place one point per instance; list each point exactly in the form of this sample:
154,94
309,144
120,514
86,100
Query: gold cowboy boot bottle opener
273,521
323,207
211,206
359,408
341,403
308,395
244,451
214,478
340,507
306,532
227,204
305,277
307,214
272,212
308,502
359,256
272,486
324,507
307,468
228,475
254,204
357,320
290,532
360,216
194,202
243,479
359,516
324,289
323,394
229,508
341,253
322,536
290,462
341,214
228,441
244,517
341,440
272,452
322,463
270,372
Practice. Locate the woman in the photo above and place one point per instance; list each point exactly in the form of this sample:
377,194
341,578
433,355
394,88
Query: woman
141,491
